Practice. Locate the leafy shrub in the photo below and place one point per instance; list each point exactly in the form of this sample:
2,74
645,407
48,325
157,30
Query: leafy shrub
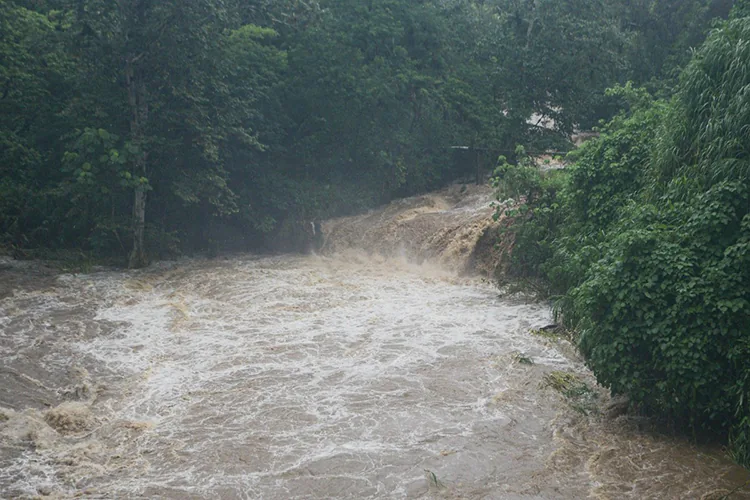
741,8
665,313
529,196
650,246
605,175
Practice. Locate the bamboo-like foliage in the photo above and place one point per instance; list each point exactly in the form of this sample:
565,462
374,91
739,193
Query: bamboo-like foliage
708,137
648,245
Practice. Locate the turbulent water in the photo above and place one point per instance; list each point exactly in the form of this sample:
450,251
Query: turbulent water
372,371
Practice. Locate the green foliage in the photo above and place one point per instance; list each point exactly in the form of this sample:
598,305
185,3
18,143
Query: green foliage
522,180
739,442
245,115
663,313
652,261
708,141
741,9
663,34
530,197
606,174
577,393
522,359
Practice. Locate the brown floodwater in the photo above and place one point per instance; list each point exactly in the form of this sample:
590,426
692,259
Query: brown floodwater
379,369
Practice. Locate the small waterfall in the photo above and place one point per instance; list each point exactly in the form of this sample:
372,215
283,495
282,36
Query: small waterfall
442,228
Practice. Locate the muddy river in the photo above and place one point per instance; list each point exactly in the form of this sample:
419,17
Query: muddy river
378,369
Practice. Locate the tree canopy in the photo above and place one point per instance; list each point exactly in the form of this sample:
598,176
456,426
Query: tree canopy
139,129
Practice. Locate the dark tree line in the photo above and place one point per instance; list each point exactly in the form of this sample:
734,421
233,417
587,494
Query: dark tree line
141,128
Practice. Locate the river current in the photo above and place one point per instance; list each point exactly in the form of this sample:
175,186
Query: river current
378,369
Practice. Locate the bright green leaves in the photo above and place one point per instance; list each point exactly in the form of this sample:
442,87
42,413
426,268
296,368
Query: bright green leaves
251,32
653,257
708,140
740,9
100,163
520,181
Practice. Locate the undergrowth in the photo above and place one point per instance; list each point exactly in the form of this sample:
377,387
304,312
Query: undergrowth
578,394
643,243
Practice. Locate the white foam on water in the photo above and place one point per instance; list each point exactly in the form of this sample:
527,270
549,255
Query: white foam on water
287,364
358,375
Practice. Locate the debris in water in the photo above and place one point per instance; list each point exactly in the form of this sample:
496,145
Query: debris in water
552,332
522,359
560,381
580,396
137,426
27,428
69,418
138,286
433,480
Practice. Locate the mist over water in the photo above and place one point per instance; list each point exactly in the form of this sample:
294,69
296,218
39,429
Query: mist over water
378,369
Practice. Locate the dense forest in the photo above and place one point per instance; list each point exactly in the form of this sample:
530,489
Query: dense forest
644,242
133,130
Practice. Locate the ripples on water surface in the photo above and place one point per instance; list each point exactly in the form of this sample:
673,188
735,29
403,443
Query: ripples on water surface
306,377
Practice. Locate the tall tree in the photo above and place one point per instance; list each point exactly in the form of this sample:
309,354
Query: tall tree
34,86
128,125
164,56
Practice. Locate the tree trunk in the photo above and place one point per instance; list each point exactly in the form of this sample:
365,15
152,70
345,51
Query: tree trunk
138,117
138,255
477,169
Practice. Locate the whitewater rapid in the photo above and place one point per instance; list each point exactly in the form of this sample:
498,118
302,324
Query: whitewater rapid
356,374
